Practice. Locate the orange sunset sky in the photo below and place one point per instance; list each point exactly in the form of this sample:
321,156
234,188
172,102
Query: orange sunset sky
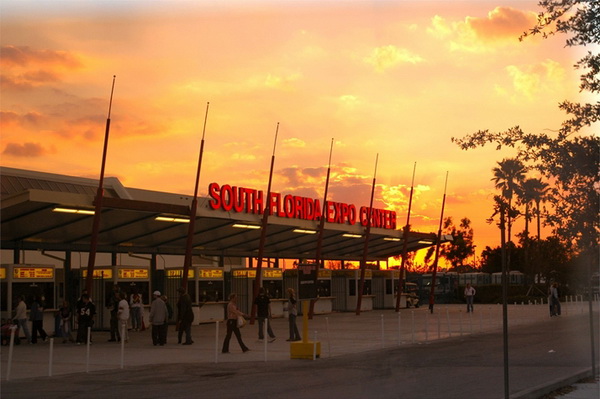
394,78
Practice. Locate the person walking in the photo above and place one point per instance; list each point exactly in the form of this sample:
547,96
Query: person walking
293,312
185,317
135,309
469,296
123,316
263,313
65,314
36,315
232,324
86,311
21,317
158,318
112,304
553,300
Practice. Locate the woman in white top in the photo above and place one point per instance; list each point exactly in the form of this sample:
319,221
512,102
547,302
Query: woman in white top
232,316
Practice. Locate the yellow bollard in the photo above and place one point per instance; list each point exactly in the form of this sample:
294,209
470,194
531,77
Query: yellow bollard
305,349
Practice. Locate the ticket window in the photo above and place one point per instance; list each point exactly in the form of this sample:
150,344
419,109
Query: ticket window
354,286
32,290
131,287
211,291
273,288
323,288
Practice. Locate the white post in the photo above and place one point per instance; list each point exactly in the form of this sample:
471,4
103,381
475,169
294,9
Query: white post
315,347
449,326
412,316
87,354
265,336
13,331
328,337
50,357
382,333
217,341
399,329
123,331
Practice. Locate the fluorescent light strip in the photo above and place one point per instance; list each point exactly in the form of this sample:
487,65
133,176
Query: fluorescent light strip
391,239
171,219
246,226
77,211
425,242
305,231
351,235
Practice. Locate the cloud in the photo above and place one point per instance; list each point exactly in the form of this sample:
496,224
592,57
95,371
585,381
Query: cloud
530,81
502,25
294,143
25,67
25,56
387,57
30,150
12,119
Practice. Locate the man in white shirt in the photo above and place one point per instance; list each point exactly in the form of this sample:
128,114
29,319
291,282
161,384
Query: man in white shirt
21,318
123,315
469,295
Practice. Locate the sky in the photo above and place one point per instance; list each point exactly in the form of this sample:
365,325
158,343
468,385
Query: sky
390,82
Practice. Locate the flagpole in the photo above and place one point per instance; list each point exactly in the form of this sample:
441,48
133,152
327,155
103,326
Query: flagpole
363,263
405,242
187,263
437,250
98,202
319,255
263,233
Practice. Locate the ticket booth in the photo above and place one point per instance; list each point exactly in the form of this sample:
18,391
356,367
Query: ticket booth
345,286
385,288
211,295
173,280
324,304
31,281
242,281
129,279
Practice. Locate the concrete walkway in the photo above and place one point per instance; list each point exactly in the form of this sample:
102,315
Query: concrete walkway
345,338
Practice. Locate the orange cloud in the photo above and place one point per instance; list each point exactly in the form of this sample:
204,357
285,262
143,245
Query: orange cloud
481,34
24,150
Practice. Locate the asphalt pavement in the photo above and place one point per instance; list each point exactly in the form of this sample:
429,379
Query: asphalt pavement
378,354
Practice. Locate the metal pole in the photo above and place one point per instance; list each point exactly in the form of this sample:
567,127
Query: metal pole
504,298
187,263
318,256
363,263
263,234
437,250
98,202
405,242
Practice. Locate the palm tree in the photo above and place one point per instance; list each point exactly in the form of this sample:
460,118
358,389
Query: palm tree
508,176
533,190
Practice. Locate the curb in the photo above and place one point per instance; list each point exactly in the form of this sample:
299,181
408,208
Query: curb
540,390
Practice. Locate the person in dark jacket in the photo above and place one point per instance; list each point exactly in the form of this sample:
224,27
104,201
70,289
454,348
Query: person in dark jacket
263,312
36,316
86,311
185,317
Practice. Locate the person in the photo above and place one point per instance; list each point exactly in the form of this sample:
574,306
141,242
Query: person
21,317
86,311
135,307
232,327
64,313
112,304
185,317
123,316
553,300
263,313
36,315
158,319
469,296
293,312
